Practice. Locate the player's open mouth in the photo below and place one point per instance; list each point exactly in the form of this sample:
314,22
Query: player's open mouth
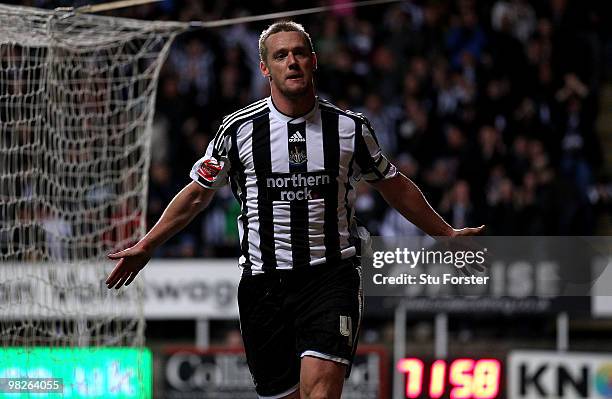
295,77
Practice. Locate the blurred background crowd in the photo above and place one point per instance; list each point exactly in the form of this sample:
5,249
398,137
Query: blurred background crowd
490,107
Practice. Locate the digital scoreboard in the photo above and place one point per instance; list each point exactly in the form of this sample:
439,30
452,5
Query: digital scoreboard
461,378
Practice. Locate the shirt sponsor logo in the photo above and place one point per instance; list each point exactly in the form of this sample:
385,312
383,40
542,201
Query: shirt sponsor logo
298,186
209,169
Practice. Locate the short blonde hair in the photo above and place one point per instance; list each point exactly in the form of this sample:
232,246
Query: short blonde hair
282,26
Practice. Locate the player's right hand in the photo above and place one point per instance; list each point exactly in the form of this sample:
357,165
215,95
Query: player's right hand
131,261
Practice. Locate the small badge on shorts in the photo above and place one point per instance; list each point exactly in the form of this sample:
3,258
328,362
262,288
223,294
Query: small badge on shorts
346,328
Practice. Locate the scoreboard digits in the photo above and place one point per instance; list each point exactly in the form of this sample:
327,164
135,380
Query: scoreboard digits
462,378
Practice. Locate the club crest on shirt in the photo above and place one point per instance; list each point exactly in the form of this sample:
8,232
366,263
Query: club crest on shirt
209,169
297,156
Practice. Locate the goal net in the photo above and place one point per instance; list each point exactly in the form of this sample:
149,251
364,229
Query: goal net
77,95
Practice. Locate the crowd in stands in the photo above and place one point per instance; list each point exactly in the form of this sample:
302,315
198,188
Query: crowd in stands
490,107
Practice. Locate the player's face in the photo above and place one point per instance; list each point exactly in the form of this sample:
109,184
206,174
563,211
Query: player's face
289,64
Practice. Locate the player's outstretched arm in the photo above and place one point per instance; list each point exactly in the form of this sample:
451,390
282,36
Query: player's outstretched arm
402,194
190,201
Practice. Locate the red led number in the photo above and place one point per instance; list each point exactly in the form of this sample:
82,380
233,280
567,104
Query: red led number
437,382
461,378
469,378
486,378
413,368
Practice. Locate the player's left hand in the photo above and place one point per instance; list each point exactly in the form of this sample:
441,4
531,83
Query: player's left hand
131,261
468,231
467,244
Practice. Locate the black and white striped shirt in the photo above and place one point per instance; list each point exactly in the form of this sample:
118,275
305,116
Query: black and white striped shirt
294,179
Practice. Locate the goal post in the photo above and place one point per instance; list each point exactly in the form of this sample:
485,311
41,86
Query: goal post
77,97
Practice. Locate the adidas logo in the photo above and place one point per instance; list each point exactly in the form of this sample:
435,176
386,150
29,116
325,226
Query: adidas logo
297,138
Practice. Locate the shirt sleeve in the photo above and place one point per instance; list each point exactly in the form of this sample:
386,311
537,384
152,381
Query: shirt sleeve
368,154
212,170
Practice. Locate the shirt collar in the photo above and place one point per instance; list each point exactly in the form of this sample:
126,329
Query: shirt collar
290,119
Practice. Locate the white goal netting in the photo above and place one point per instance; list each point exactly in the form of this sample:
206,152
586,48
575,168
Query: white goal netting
77,95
